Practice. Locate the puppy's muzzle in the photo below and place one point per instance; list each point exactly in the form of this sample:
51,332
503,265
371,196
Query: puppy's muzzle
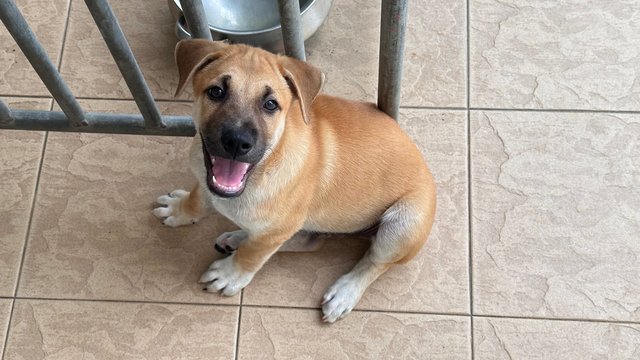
237,142
230,154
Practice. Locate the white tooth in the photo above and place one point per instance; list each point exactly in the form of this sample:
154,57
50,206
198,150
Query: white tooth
213,178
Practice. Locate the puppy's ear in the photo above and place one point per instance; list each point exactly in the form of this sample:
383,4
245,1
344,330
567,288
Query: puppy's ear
305,82
192,55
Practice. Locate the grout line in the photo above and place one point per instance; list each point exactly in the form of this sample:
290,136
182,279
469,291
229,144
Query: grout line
64,35
408,312
568,319
33,206
238,326
153,302
228,305
433,313
445,108
471,338
26,236
579,111
469,179
468,56
6,335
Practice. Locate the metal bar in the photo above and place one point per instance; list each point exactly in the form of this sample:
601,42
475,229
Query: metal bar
99,123
37,56
119,47
292,35
5,114
196,19
392,28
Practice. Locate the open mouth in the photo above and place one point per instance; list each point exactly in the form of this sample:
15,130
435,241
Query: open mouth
225,177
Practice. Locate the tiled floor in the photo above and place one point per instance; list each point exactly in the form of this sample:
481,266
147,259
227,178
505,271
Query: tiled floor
527,111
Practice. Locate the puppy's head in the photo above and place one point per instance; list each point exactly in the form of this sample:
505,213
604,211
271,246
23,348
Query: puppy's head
243,98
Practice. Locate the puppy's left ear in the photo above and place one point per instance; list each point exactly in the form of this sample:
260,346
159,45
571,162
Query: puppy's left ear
192,55
305,82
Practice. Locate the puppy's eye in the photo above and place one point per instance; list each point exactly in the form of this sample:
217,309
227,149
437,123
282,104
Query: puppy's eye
270,105
215,93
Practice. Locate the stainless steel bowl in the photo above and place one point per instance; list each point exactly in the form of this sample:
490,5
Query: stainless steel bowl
253,22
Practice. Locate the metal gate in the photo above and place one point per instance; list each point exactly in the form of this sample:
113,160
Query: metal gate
149,121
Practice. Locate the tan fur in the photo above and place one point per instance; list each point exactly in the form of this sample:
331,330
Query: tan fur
193,206
336,166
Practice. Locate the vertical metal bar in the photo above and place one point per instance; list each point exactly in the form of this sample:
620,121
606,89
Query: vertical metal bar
37,56
5,113
196,19
392,29
119,47
292,35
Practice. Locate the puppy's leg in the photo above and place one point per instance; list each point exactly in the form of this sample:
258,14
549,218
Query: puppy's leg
303,241
181,207
404,228
233,273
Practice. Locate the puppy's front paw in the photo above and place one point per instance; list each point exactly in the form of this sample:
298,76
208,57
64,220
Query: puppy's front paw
341,298
172,212
223,275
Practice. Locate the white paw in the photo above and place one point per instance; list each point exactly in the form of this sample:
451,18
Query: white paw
230,241
341,298
171,212
223,275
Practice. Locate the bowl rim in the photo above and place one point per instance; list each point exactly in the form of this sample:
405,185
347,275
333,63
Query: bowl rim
242,32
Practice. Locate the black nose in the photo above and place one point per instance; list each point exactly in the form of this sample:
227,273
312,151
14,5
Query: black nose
237,142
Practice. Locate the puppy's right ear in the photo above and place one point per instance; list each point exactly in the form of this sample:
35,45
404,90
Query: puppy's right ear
194,54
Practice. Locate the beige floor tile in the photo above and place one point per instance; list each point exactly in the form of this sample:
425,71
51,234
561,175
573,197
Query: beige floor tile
545,339
293,333
437,280
47,20
346,49
434,67
300,279
19,159
5,313
93,234
26,103
107,330
563,54
90,67
555,214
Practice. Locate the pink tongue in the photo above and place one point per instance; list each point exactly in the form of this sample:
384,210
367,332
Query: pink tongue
229,172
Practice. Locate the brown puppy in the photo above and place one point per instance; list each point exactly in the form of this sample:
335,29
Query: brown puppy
283,163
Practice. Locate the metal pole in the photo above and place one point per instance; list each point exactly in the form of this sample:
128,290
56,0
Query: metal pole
5,114
99,123
121,52
37,56
196,19
292,35
392,28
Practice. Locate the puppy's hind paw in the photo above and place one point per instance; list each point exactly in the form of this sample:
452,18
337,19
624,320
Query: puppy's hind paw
228,242
172,211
